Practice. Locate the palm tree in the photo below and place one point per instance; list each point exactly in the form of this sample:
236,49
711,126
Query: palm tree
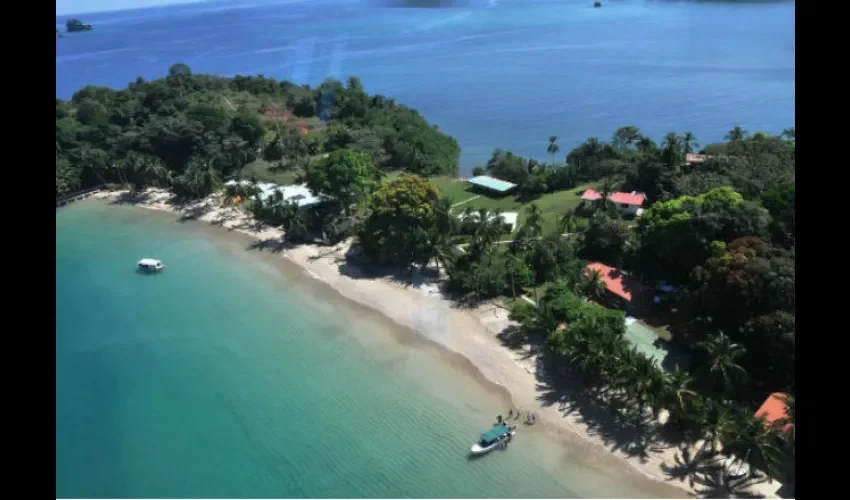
553,147
755,443
592,148
88,159
645,144
235,191
146,168
487,230
672,146
566,223
736,134
446,222
200,178
592,285
722,357
445,252
715,422
294,220
512,262
676,387
689,143
533,224
119,168
607,189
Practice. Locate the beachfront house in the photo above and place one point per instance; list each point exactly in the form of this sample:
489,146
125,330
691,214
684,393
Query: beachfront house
621,290
298,193
491,186
509,220
626,203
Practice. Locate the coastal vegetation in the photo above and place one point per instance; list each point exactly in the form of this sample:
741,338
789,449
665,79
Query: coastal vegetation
151,132
719,231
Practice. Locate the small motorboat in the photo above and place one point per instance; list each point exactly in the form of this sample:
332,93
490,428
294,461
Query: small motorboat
150,265
499,435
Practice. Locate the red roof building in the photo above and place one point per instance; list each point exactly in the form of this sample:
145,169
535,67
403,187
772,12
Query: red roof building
773,409
632,199
617,283
591,195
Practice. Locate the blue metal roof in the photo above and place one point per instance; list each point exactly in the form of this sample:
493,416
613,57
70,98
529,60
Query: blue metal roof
494,433
492,183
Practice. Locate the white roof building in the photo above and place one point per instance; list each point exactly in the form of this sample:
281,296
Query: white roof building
299,193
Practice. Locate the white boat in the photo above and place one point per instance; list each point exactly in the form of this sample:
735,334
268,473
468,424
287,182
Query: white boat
150,265
499,435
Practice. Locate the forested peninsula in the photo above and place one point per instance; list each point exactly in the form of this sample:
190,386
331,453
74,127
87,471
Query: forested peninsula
574,247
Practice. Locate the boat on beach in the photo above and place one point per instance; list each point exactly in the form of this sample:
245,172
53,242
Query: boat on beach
150,265
499,435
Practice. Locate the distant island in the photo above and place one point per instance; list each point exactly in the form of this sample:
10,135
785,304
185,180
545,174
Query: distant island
75,25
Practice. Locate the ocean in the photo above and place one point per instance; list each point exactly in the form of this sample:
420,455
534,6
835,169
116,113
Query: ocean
234,374
493,73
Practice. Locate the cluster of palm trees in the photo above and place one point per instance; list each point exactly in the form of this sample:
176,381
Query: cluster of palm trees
698,404
274,209
528,258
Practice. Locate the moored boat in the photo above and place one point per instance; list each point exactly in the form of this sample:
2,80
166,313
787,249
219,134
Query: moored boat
150,265
499,435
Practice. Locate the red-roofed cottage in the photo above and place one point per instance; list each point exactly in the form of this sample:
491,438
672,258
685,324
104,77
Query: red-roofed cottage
626,203
773,409
623,290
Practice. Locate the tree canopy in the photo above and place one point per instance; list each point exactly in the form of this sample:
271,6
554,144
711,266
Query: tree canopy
345,175
404,217
230,122
677,235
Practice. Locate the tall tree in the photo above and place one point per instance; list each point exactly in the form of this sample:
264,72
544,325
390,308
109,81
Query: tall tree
672,149
722,360
345,175
592,285
736,134
553,147
200,178
403,211
566,223
689,143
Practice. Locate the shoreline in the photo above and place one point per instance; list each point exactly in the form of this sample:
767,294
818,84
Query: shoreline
470,333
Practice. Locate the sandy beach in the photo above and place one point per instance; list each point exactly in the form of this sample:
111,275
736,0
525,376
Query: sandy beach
471,333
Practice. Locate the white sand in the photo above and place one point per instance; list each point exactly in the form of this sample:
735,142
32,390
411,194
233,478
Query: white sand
470,333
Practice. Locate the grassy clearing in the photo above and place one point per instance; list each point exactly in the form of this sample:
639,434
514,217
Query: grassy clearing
266,172
552,205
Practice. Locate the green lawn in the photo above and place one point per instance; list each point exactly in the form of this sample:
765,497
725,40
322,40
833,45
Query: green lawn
265,172
552,205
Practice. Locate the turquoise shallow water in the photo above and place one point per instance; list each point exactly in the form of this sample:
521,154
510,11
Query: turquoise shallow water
493,73
234,375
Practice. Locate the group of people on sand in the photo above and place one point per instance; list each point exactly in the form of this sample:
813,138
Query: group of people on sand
530,418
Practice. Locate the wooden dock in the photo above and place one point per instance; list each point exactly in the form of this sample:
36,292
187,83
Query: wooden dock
79,195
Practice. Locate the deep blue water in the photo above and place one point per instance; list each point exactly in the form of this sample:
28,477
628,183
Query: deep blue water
500,73
232,375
